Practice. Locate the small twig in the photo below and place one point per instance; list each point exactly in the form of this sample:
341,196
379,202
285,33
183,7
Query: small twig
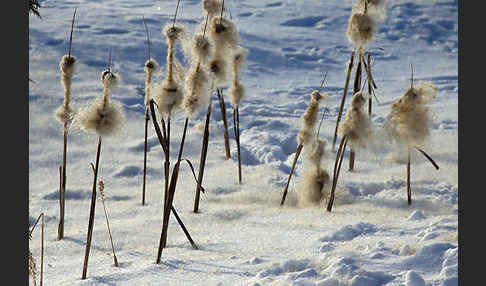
101,186
148,37
175,15
428,157
71,36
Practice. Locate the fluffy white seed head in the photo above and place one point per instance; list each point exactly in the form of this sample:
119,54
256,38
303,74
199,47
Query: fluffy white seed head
220,70
239,57
64,114
151,66
223,32
105,117
236,93
173,33
212,7
356,125
375,8
197,90
168,95
309,119
361,29
110,79
67,66
409,121
201,48
313,186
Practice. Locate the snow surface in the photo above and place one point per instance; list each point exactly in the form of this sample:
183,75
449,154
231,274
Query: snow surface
371,237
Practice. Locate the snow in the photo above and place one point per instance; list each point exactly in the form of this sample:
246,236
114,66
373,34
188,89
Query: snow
371,237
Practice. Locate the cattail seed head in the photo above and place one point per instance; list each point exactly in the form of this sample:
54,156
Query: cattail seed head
375,8
361,29
223,32
236,92
212,7
173,33
409,121
102,115
239,57
201,48
64,113
309,119
67,65
168,96
219,68
357,124
197,90
151,66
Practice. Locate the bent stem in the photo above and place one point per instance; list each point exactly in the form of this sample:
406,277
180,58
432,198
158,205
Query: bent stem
225,123
337,170
91,212
346,84
297,154
101,187
202,161
236,124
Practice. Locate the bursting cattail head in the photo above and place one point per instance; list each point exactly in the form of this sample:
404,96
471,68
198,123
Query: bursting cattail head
223,32
361,29
173,33
197,90
168,96
201,48
239,57
309,119
64,113
312,187
357,124
151,66
102,115
409,121
219,69
212,7
375,8
236,92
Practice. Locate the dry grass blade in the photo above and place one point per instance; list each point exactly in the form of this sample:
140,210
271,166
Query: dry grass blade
101,186
296,157
428,157
32,266
184,229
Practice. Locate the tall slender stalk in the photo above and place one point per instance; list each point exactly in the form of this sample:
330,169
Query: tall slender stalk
145,155
409,189
357,84
337,170
202,160
101,188
170,195
236,124
225,123
346,84
91,212
296,157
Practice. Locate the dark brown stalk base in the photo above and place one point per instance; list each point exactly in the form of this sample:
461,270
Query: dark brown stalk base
202,160
409,189
91,213
236,124
145,156
225,123
62,190
297,154
337,170
352,155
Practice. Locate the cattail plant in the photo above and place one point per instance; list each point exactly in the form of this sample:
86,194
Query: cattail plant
307,132
361,32
223,33
236,93
101,187
151,66
201,51
104,117
409,122
64,114
356,128
32,264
